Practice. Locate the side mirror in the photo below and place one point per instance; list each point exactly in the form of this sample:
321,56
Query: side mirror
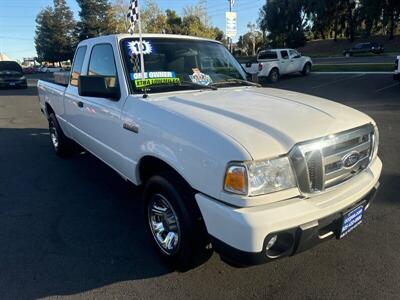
96,86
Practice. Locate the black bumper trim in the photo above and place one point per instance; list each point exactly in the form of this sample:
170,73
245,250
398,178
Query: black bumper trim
303,239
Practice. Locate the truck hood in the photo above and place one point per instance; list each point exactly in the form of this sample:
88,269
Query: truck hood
266,122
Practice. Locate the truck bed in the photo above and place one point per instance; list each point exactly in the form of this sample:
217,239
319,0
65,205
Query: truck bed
52,93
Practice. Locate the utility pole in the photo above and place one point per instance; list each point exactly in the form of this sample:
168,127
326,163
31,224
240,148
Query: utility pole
230,39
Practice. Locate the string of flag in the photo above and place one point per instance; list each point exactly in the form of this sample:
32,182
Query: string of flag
133,17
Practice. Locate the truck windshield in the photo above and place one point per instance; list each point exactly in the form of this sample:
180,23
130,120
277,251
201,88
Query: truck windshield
170,64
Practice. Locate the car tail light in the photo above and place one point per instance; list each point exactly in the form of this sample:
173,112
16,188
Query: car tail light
260,67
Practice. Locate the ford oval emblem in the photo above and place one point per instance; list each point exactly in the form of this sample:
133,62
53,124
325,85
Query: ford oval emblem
350,159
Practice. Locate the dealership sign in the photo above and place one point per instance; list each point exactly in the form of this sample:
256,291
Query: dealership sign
230,24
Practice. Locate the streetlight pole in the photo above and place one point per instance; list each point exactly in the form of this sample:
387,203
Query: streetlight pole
230,39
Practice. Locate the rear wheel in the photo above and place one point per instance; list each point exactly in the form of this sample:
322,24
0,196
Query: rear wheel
61,144
174,221
273,75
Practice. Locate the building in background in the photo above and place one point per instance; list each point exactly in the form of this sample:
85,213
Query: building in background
4,57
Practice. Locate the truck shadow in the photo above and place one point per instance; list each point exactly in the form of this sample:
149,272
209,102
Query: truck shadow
67,225
30,91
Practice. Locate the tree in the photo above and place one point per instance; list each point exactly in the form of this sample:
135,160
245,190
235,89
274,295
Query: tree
118,11
285,22
194,21
251,41
173,22
153,19
54,37
391,16
96,18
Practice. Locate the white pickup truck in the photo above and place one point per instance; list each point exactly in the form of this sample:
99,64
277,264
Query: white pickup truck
270,64
254,173
396,75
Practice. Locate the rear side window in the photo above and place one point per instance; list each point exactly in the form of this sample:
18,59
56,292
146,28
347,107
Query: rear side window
77,66
267,55
102,63
284,54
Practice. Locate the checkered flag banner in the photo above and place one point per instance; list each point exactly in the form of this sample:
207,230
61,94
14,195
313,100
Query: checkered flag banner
133,15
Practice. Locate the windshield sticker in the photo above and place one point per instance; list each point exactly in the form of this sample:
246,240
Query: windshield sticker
200,78
141,83
153,74
134,47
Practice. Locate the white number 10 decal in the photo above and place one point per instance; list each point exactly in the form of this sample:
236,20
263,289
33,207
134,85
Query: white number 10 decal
134,47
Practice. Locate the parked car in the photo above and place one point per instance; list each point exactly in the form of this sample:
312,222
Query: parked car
270,64
29,70
50,69
255,174
396,75
11,75
364,48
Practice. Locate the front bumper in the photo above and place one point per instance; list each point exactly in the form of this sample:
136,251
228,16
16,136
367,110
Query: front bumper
240,235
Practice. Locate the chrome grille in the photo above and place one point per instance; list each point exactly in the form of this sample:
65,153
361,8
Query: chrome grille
326,162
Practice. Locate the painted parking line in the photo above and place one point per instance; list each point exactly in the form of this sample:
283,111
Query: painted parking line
387,87
338,80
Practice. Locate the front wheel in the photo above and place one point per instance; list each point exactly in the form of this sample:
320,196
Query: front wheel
174,222
306,69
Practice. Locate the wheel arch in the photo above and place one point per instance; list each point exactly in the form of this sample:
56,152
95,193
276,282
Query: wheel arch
150,165
274,68
48,109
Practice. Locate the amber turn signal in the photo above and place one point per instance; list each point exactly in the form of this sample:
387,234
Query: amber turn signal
236,180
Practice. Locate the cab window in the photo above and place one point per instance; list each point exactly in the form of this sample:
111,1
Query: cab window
293,53
284,54
102,63
77,66
267,55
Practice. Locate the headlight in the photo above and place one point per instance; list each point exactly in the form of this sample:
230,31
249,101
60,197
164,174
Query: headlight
22,78
255,178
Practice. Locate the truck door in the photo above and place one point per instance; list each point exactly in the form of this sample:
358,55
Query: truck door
295,61
71,96
284,62
98,120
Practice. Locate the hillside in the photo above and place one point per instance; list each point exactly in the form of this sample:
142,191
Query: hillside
332,48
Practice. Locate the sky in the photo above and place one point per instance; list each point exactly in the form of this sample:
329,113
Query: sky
17,19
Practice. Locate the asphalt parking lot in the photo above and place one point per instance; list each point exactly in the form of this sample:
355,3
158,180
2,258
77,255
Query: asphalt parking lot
73,227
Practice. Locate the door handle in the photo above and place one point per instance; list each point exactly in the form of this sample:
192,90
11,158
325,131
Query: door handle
80,104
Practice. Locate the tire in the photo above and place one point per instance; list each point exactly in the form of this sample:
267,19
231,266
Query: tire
174,222
273,75
306,69
62,145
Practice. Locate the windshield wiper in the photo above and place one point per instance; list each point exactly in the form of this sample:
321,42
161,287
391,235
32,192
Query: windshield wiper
235,80
209,87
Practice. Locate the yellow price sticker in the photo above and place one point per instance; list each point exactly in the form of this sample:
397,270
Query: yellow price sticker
141,83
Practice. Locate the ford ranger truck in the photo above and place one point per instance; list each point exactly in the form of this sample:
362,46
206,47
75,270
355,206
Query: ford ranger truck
255,174
271,64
